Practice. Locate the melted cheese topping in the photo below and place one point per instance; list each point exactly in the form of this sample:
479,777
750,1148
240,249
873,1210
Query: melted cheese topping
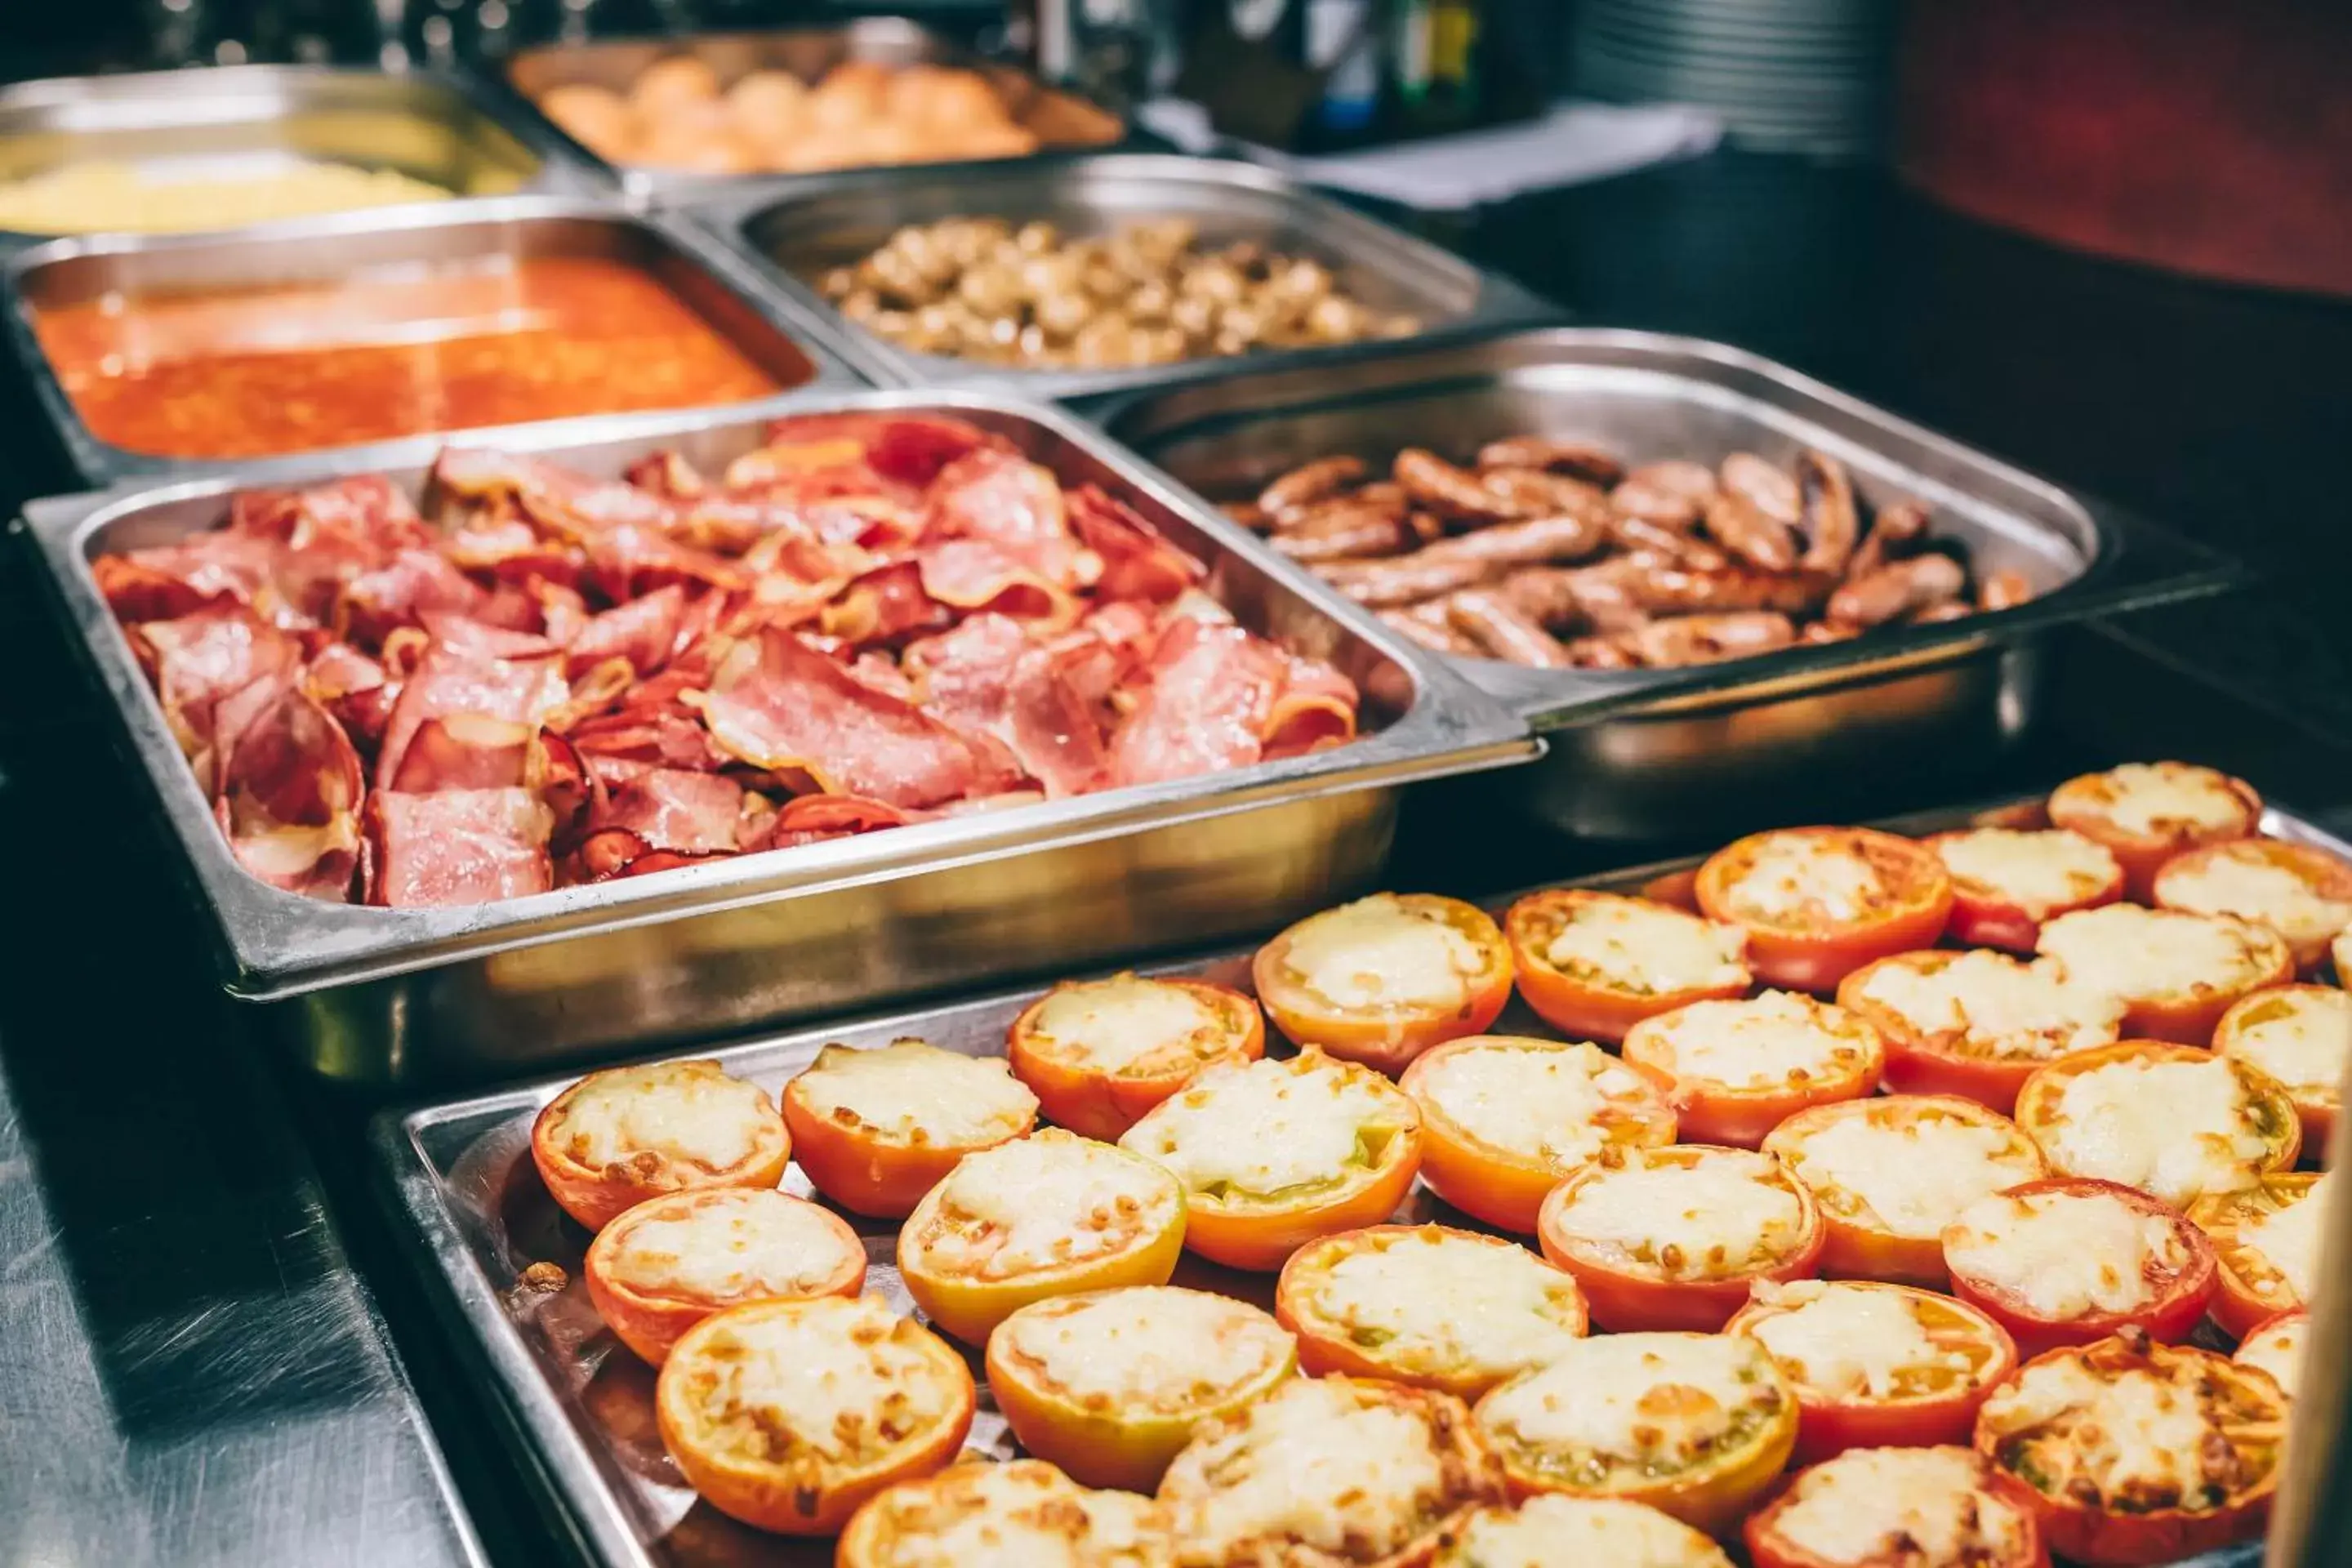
2175,1128
1318,1462
1536,1100
1653,950
2278,1349
1024,1514
2240,879
2036,872
1925,1508
1550,1530
1794,873
1774,1039
1381,952
1910,1177
1112,1025
2289,1239
1439,1303
692,1113
1846,1339
1666,1398
833,1378
2141,954
1149,1345
2137,1429
2065,1255
1995,1006
1718,1213
917,1093
2156,799
730,1247
1263,1127
1040,1202
2301,1036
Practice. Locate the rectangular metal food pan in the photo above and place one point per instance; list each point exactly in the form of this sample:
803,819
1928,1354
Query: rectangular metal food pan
256,118
1060,119
799,229
524,986
794,346
1657,753
580,1407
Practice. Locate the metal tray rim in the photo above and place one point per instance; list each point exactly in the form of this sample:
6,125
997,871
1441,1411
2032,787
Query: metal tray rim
1499,302
409,1185
280,944
837,365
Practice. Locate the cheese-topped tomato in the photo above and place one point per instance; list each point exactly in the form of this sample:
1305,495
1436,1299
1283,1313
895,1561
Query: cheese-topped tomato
1673,1239
1898,1507
626,1135
1559,1531
1594,965
2148,812
2072,1259
2172,1120
1874,1363
1041,1216
2006,880
877,1128
1820,902
1109,1384
1889,1175
1428,1306
2298,891
2138,1452
1022,1514
1695,1424
1275,1154
664,1266
1099,1053
788,1414
1506,1117
1977,1024
1739,1069
2176,972
1330,1470
2302,1036
1381,980
2277,1347
2267,1236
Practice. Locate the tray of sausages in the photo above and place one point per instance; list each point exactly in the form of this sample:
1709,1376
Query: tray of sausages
1952,1180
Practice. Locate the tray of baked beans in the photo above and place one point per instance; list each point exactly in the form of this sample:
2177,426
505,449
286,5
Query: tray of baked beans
1939,1192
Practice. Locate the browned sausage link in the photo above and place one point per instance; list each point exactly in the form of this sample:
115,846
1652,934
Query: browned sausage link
1608,652
1671,591
1703,639
1741,527
1827,631
1427,526
1455,494
1537,540
1578,457
1531,493
1437,636
1383,499
1942,610
1831,522
1770,489
1895,590
1311,482
1570,599
1338,535
1893,532
1496,624
2004,590
1637,532
1249,514
1400,580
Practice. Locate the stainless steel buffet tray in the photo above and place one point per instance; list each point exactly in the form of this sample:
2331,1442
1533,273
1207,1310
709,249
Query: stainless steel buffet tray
795,346
254,118
1662,754
798,228
524,986
1060,119
580,1407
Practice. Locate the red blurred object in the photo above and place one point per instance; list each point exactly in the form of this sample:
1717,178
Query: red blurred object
2209,139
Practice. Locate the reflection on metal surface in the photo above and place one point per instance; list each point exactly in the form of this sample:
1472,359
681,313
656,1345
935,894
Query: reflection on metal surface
2311,1522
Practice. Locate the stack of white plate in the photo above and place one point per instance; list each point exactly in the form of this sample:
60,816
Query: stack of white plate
1800,76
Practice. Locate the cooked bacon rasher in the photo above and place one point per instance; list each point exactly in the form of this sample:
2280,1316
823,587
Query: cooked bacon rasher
545,678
